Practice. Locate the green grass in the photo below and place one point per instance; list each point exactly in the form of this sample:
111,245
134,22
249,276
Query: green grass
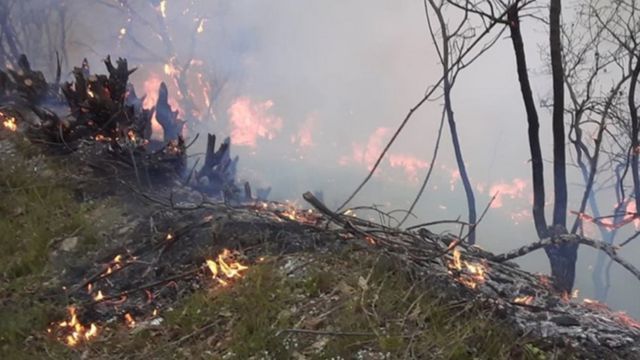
37,209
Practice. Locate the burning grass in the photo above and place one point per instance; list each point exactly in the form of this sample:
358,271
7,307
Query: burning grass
320,306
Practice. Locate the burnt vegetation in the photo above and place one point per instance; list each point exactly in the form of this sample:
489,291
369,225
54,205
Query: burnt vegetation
116,245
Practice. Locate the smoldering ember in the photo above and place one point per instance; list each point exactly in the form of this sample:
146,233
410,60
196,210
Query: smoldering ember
160,164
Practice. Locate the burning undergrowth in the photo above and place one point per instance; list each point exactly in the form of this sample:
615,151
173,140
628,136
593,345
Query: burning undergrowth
200,233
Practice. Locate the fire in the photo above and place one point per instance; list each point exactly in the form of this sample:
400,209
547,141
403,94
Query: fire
72,332
304,136
163,8
98,296
200,29
250,121
619,316
225,265
513,190
9,122
151,86
128,319
566,296
409,164
472,274
524,299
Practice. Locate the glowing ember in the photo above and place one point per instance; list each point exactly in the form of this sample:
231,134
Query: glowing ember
9,122
250,121
98,296
524,299
128,319
225,266
72,332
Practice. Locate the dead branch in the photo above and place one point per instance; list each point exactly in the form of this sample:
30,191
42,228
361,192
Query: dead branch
569,239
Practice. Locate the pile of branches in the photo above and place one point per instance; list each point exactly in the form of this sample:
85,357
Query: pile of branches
528,301
101,117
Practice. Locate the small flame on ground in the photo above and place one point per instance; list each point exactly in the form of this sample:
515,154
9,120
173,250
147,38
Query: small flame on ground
225,265
72,332
128,319
473,273
98,296
9,122
524,299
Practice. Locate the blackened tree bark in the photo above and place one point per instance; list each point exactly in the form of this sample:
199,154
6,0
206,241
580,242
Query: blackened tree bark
635,127
561,258
537,168
559,166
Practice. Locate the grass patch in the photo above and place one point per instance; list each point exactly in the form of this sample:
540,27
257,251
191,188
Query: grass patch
37,208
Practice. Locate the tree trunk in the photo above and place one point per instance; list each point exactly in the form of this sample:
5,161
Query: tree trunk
635,148
559,166
537,169
447,86
561,258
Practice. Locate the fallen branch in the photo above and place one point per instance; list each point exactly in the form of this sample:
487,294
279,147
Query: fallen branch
566,239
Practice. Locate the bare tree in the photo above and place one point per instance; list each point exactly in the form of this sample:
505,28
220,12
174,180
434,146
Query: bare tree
451,43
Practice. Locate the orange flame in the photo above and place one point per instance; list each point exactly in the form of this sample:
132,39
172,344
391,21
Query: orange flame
9,122
250,120
129,320
98,296
72,332
225,265
473,274
524,299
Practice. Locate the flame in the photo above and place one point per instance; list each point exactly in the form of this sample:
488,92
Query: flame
454,177
250,121
170,69
619,316
368,154
98,296
128,319
72,332
626,320
200,29
304,136
472,274
151,86
226,266
566,296
9,122
524,299
409,164
163,8
513,190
